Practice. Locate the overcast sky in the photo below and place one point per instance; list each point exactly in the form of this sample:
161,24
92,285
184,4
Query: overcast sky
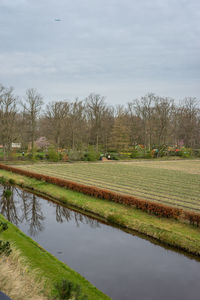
121,49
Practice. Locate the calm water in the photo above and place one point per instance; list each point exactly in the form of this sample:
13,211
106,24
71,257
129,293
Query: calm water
123,266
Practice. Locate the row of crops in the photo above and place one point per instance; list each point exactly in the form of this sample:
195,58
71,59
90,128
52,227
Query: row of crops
171,187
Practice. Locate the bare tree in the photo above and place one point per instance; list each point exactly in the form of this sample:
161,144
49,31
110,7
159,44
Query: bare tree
108,120
57,114
144,111
32,108
162,116
8,112
189,114
95,107
120,138
134,124
77,124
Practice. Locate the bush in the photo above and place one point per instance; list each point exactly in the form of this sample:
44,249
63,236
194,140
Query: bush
4,245
39,156
29,156
11,181
7,193
74,155
139,153
5,248
134,154
2,180
186,152
183,152
53,155
124,155
3,226
196,152
148,154
68,290
91,155
65,157
114,156
192,217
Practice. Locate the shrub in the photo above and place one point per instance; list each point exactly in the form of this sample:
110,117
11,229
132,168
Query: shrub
53,155
66,289
3,226
11,181
29,156
186,152
134,154
114,156
4,245
7,193
124,155
2,180
74,155
140,153
5,248
196,152
192,217
91,155
65,157
39,156
147,154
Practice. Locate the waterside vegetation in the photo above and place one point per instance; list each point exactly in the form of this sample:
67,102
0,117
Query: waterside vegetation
39,270
168,231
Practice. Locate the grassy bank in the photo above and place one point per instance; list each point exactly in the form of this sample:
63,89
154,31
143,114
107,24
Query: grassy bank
168,231
44,266
16,280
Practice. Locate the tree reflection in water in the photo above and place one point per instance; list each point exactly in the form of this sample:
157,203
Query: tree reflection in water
32,211
21,206
8,206
65,214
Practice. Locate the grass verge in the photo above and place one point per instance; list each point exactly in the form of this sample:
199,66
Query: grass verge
41,265
16,280
168,231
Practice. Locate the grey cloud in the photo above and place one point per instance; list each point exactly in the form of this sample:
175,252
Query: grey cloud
119,48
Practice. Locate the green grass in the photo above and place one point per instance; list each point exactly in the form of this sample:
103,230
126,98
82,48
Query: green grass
168,231
174,183
48,267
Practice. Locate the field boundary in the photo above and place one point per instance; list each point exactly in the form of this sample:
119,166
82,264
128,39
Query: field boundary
160,210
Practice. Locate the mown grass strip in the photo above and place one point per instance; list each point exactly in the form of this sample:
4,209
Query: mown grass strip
168,231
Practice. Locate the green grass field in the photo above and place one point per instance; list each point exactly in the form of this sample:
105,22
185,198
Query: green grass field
170,182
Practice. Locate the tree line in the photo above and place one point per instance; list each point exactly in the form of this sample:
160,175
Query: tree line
75,125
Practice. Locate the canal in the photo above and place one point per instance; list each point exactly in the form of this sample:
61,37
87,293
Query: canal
122,265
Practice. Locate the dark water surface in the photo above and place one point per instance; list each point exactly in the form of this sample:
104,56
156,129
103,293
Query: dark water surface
124,266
